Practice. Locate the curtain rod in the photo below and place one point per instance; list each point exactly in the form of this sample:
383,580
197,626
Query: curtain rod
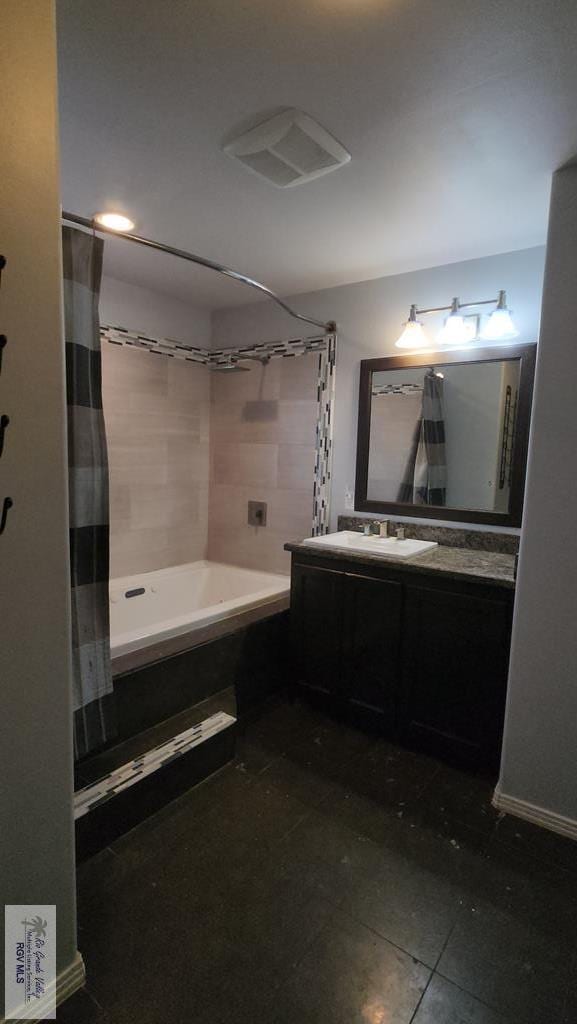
86,222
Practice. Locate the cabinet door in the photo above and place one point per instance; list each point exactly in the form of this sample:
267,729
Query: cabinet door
372,644
455,664
317,627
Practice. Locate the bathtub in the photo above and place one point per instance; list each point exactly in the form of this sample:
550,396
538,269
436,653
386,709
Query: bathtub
157,614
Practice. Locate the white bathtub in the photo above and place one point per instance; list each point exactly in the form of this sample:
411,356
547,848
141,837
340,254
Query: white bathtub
171,609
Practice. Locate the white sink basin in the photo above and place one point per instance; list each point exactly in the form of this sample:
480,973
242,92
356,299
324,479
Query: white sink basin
386,547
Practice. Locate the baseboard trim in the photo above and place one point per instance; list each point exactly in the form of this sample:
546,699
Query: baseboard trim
68,982
537,815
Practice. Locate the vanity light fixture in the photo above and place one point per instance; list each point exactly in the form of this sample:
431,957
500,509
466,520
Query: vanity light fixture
459,331
114,221
500,326
456,330
413,336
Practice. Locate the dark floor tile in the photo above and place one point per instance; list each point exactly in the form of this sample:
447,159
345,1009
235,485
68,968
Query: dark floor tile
290,880
277,922
251,756
283,726
392,778
157,946
537,842
504,875
457,796
351,975
81,1008
155,845
330,744
324,859
509,958
180,820
411,906
264,815
444,1003
312,784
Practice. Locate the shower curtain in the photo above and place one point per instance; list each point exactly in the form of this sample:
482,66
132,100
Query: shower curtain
88,487
425,479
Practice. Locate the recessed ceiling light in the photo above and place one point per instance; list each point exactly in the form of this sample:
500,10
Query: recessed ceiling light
114,221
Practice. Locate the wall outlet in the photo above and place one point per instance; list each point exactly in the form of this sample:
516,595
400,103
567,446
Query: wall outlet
349,499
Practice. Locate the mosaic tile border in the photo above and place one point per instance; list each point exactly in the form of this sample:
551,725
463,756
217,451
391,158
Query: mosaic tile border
117,335
324,444
98,793
325,345
379,390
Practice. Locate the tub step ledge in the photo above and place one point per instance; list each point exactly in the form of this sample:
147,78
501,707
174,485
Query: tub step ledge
111,806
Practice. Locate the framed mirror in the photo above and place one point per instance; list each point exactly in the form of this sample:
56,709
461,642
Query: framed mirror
445,435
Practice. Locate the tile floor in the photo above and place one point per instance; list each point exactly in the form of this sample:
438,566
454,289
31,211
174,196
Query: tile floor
327,876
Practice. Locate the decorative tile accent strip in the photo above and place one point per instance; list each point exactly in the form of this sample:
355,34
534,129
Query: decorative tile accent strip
396,389
212,357
448,536
326,346
324,445
129,774
159,346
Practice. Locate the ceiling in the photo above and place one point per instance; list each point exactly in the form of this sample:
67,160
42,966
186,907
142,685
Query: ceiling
456,112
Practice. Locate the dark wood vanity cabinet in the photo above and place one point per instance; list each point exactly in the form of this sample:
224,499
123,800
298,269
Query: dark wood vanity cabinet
455,665
346,637
423,658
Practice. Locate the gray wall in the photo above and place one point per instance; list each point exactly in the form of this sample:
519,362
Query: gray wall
369,317
140,309
540,752
36,851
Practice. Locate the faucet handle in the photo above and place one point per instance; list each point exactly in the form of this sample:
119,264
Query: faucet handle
400,532
384,528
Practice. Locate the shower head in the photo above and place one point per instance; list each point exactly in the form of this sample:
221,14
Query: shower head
229,367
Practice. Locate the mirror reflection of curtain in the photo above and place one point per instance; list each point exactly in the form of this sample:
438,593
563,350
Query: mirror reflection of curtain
425,479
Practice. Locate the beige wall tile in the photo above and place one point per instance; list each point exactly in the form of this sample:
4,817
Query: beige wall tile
246,424
296,463
251,550
298,377
250,464
297,422
254,421
189,448
157,414
258,383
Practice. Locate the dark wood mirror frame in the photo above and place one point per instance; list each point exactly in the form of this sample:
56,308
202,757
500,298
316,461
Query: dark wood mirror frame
525,355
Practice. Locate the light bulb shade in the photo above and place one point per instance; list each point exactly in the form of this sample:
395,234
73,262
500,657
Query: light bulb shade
457,331
413,336
499,326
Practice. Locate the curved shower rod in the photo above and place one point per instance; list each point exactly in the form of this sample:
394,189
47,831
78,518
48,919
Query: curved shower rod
86,222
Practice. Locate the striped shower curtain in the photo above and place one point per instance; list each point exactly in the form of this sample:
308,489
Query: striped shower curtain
425,479
88,486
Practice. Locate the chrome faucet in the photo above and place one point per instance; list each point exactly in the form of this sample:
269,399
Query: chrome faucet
384,528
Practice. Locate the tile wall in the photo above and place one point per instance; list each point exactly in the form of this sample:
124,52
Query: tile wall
263,430
157,423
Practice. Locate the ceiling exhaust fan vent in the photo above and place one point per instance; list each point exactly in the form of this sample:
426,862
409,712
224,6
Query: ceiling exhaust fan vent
288,150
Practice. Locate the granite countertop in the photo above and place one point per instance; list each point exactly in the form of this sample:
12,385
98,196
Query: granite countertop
454,563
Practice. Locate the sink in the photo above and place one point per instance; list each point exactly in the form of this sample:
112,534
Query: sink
385,547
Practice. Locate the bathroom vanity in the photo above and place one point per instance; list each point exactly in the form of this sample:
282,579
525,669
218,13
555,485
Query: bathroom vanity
417,649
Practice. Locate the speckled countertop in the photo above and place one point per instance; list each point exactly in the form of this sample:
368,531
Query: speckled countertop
454,563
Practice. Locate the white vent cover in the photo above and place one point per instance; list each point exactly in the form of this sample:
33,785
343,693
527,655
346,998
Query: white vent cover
288,150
